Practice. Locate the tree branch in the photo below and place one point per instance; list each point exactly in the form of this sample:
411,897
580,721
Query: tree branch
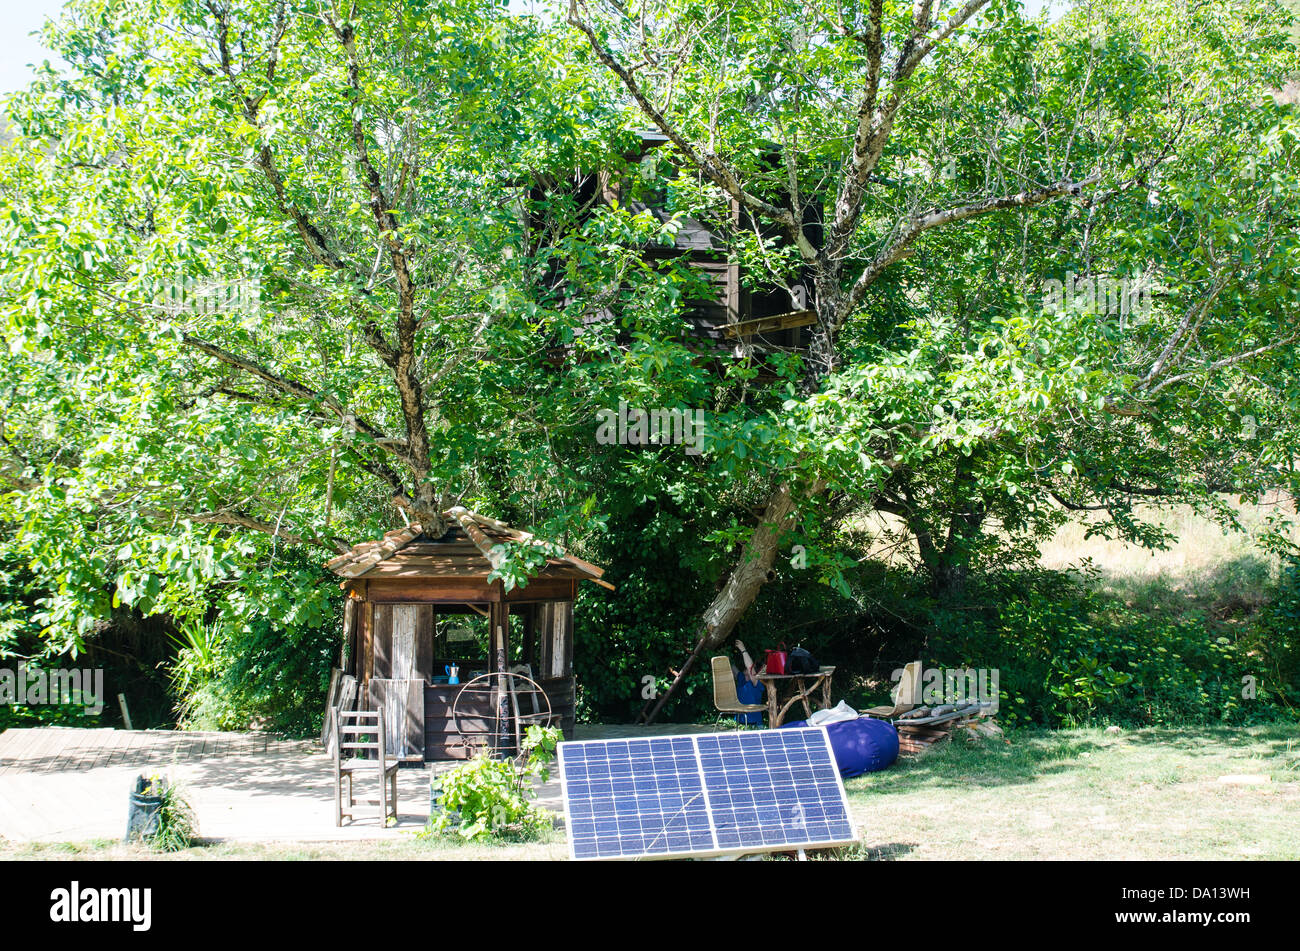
239,519
1223,364
711,165
875,121
923,223
295,389
401,359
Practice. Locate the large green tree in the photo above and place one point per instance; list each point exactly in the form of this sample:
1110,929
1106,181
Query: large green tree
263,273
962,158
275,275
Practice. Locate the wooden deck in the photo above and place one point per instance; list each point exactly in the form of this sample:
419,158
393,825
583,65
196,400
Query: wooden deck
61,749
71,785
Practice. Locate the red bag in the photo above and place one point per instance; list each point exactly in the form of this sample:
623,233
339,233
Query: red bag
776,659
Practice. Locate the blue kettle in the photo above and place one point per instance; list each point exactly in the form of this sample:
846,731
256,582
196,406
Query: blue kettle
453,674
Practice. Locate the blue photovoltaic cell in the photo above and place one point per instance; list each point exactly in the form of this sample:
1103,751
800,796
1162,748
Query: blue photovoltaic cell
634,797
710,793
773,788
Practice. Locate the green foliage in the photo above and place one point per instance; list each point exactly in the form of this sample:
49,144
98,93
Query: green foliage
1277,647
26,717
198,656
541,744
490,798
199,465
264,657
521,561
176,825
18,593
1069,653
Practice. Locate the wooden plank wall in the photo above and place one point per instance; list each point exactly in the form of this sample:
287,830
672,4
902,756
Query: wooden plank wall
402,704
560,691
365,658
397,648
402,642
342,696
554,622
348,648
441,729
331,702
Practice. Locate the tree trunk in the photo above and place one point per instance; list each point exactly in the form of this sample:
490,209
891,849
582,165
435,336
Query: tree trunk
744,582
822,359
755,566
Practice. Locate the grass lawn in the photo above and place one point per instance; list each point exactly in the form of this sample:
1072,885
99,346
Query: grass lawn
1086,794
1066,794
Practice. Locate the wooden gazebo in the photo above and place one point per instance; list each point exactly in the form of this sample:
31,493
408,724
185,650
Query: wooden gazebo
414,603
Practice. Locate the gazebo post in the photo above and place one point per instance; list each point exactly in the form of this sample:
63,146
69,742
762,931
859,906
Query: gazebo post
499,619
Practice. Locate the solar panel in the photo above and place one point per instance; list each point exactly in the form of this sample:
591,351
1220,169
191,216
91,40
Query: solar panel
703,794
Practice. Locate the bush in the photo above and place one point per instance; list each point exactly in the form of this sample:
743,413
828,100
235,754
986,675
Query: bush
175,826
276,676
488,798
1276,641
260,654
1070,654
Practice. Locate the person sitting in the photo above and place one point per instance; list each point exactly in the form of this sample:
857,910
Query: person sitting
749,689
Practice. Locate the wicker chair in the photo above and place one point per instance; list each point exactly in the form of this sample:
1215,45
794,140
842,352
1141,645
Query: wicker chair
724,690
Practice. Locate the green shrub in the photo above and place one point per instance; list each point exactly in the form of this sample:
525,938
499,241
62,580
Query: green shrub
489,798
1276,642
260,654
175,826
1069,654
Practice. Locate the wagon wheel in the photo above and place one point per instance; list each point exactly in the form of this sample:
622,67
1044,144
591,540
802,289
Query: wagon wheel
502,731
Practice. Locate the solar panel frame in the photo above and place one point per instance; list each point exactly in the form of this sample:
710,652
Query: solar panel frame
690,802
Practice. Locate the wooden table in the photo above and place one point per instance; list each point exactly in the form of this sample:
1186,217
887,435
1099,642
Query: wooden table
804,685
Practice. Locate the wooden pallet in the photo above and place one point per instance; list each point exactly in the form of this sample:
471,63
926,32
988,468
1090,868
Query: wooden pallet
914,740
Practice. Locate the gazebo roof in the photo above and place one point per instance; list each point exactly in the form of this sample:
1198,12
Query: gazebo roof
464,551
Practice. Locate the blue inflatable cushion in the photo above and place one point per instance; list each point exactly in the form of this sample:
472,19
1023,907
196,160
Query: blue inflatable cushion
860,746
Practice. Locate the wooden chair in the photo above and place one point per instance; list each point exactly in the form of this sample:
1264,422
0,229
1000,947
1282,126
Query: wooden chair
362,732
905,694
724,690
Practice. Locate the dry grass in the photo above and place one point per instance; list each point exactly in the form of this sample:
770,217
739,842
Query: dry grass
1202,546
406,849
1203,555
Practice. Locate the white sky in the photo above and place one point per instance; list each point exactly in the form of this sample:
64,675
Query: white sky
18,18
18,49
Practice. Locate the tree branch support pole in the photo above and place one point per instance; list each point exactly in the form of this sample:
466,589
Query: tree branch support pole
743,584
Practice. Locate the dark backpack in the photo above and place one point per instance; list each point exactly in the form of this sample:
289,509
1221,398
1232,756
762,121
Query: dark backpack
801,662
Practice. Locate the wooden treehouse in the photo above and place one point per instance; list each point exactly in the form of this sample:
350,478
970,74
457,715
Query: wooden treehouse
736,313
418,605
